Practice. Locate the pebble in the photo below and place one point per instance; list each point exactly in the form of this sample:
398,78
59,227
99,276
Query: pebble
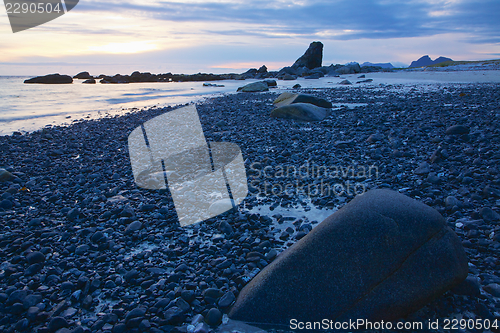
213,317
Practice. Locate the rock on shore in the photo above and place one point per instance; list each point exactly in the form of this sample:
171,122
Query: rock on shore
51,79
380,257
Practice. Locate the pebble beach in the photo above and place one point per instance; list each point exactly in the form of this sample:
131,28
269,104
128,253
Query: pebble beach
83,249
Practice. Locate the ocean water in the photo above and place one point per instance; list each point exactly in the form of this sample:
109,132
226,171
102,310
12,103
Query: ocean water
29,107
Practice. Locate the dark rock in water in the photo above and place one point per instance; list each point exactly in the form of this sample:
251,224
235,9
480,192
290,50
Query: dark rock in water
51,79
35,257
301,112
297,86
380,257
312,58
345,82
89,81
457,130
255,87
427,61
365,81
213,317
287,98
83,76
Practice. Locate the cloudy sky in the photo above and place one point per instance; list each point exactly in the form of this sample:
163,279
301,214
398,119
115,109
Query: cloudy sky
220,36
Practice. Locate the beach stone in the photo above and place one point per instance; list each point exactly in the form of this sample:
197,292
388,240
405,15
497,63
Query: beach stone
301,112
254,87
51,79
493,289
35,257
289,77
312,58
90,81
345,82
213,317
57,323
297,86
5,175
134,226
422,169
469,287
457,130
6,204
358,263
286,99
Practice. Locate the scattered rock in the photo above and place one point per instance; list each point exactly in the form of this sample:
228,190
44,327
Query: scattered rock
213,317
423,169
300,112
5,175
134,226
287,98
90,81
83,76
457,130
297,86
254,87
345,82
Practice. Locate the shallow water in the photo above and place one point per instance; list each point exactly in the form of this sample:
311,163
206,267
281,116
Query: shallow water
29,107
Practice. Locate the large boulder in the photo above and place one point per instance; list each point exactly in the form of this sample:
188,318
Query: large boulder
255,87
312,58
380,257
51,79
301,112
287,98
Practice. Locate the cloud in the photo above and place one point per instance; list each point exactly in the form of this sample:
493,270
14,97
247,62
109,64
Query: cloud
374,19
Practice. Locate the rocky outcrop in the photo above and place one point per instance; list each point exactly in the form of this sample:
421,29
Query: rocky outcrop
351,68
51,79
380,257
312,58
427,61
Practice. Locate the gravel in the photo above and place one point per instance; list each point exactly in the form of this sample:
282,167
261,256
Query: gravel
84,250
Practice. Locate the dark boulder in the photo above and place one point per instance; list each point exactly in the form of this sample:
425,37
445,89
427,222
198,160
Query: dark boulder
380,257
89,81
51,79
287,98
312,58
83,76
300,112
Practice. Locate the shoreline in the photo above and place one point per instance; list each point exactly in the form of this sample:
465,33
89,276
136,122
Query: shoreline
180,93
74,199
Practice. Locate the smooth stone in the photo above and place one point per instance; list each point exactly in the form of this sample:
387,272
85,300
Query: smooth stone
489,214
297,86
83,76
254,87
226,300
90,81
345,82
422,169
358,263
57,323
301,112
134,226
5,175
286,99
457,130
493,289
469,287
6,204
213,317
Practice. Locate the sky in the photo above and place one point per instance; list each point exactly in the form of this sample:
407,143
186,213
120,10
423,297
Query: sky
224,36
